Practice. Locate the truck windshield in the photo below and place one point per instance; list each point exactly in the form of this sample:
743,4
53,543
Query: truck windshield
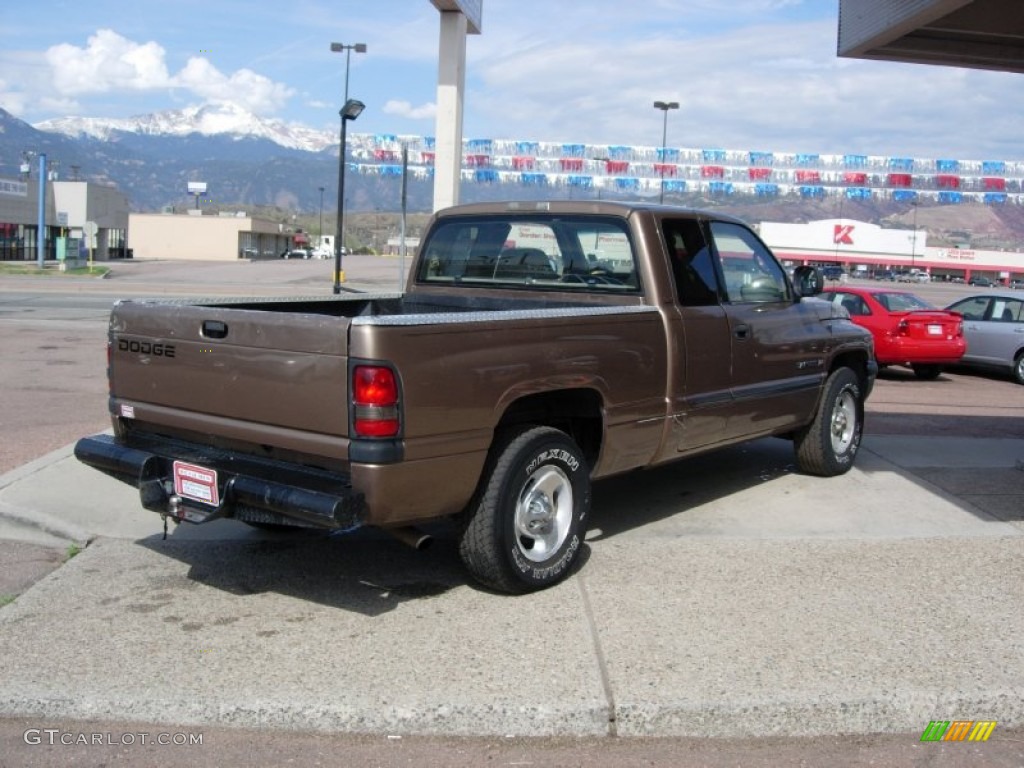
585,253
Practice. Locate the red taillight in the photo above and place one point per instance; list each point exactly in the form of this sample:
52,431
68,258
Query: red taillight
903,328
375,401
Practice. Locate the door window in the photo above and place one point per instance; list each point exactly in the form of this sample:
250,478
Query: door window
752,275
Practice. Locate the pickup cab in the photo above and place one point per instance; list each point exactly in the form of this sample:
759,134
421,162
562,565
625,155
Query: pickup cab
538,347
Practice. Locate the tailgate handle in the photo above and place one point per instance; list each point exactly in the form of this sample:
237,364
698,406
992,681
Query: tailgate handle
214,329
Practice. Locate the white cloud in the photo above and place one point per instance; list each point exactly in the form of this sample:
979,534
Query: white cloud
766,86
110,63
405,109
244,87
11,100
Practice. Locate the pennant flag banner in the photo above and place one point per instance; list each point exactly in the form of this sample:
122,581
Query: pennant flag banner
624,170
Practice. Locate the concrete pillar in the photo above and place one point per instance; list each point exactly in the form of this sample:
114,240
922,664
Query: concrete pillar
451,80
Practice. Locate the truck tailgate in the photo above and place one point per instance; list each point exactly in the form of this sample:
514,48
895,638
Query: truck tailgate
287,369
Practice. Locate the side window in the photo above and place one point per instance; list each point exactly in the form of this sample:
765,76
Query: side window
690,257
852,303
972,309
752,275
1008,311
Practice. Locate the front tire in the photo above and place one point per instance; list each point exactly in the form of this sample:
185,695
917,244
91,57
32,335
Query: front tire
525,531
828,445
1018,368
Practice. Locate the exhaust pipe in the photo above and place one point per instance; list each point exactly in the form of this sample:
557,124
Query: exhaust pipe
412,537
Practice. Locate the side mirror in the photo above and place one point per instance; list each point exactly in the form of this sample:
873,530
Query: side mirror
808,281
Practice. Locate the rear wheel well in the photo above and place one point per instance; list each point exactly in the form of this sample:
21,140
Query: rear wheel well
577,412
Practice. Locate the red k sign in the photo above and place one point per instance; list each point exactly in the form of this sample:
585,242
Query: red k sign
841,234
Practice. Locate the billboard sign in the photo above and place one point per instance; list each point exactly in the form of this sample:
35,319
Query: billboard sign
473,10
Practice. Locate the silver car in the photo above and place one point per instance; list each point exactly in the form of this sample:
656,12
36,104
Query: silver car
994,329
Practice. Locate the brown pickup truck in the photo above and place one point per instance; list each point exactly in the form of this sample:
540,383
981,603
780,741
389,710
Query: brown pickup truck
537,348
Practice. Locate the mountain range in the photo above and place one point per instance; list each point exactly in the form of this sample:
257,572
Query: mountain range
250,161
244,159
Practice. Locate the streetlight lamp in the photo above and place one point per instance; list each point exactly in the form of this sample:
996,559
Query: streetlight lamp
350,111
664,106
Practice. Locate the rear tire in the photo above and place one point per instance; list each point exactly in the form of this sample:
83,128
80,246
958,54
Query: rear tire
828,445
927,372
1018,368
525,531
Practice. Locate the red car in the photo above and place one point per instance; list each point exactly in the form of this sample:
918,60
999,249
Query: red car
907,330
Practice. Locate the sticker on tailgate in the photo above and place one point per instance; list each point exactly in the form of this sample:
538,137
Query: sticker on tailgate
196,483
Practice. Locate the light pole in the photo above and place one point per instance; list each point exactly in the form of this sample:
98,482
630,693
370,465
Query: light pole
913,248
339,234
664,106
350,111
320,232
338,48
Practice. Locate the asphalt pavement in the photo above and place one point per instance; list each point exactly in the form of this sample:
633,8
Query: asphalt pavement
723,596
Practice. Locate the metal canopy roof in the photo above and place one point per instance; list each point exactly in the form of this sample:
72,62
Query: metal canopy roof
982,34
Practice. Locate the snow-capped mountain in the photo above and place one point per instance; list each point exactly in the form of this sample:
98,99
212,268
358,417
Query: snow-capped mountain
208,120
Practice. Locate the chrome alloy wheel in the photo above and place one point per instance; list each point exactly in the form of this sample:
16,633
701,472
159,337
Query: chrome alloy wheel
543,513
844,422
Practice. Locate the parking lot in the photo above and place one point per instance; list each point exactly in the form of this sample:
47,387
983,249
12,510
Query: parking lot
724,596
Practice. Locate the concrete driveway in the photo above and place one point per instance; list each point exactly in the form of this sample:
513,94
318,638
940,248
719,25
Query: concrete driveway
723,596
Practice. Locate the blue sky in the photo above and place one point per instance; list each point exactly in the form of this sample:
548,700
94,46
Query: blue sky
749,74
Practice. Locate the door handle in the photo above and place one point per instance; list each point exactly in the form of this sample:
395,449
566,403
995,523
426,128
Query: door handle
214,329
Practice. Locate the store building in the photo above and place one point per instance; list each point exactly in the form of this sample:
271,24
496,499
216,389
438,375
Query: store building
863,248
78,216
221,237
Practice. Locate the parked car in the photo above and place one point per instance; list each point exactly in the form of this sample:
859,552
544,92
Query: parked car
907,330
979,281
832,272
297,253
1017,285
994,330
883,274
913,276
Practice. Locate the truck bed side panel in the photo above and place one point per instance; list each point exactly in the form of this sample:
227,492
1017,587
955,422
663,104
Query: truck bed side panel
459,379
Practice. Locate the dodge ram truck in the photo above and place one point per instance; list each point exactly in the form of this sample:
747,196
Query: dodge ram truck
536,348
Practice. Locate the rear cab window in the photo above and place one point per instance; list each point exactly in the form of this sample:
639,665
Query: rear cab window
539,251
